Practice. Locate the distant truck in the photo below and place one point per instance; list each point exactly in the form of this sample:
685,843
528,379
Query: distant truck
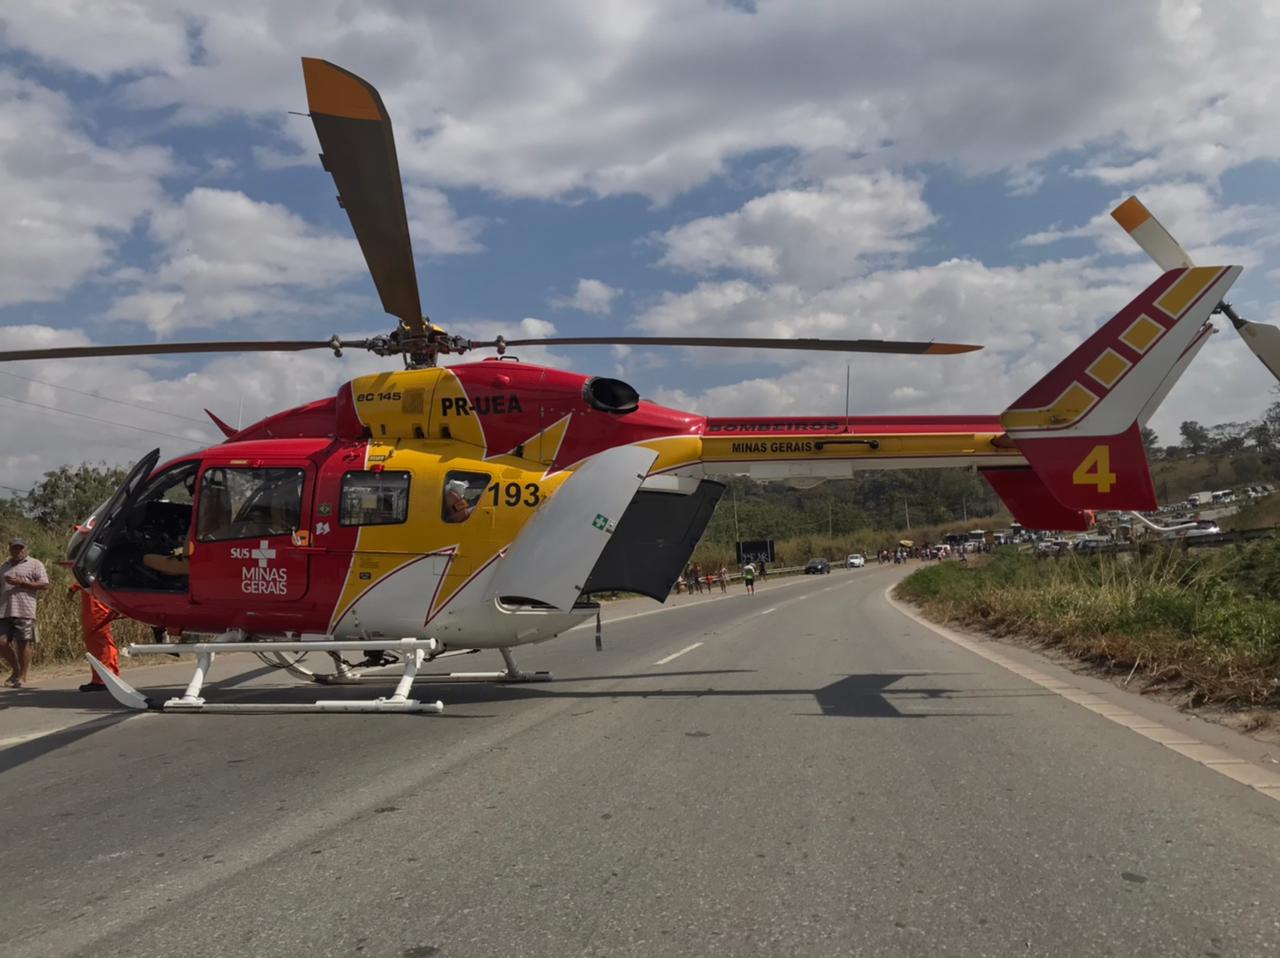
1201,498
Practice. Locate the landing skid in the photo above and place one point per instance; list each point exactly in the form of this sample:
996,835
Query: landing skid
413,652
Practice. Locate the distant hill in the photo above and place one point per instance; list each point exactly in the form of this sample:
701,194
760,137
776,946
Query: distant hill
1178,479
870,501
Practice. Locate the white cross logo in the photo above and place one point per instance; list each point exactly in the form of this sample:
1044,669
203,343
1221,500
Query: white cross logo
262,554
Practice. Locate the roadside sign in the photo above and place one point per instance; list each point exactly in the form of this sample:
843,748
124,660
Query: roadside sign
755,550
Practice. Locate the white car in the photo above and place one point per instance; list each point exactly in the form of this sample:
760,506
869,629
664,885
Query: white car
856,561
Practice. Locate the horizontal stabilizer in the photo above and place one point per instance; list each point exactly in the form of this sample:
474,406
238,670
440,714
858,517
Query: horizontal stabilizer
1030,502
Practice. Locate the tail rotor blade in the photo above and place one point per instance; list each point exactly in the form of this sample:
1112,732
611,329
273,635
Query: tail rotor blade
1264,340
1158,243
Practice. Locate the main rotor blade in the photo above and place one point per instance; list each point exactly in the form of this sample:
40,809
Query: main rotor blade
157,349
360,153
830,345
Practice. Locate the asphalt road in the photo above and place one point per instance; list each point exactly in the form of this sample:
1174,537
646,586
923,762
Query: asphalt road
821,775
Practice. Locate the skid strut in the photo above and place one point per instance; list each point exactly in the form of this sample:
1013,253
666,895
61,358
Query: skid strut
413,651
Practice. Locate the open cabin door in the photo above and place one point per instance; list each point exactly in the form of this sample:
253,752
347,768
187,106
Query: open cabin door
250,544
88,548
550,560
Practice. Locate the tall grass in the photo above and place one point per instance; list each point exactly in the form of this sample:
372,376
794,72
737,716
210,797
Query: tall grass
1208,620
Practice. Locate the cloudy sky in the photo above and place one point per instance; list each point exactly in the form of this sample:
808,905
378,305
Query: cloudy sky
921,169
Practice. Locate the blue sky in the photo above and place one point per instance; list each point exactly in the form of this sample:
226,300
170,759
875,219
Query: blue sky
915,170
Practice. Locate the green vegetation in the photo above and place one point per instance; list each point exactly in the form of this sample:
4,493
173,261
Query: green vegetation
864,514
1262,514
1206,621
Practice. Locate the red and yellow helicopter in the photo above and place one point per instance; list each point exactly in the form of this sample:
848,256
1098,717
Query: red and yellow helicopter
430,509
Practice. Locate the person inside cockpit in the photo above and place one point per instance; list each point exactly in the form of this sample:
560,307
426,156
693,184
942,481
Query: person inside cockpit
456,508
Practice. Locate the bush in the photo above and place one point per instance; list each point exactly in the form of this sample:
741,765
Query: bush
1210,619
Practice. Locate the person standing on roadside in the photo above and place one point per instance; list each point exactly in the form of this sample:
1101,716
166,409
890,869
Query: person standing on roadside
95,625
22,579
764,572
749,578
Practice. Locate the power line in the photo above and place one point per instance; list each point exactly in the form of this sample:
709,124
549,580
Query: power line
105,422
122,402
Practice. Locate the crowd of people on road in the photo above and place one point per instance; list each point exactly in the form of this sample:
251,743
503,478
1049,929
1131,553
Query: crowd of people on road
695,580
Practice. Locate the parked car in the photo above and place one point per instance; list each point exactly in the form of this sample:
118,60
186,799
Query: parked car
1095,544
855,561
817,567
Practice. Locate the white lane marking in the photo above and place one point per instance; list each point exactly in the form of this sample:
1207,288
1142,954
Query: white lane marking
1264,781
19,739
676,655
692,605
12,740
767,611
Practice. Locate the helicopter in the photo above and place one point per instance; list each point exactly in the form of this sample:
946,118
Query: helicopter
432,511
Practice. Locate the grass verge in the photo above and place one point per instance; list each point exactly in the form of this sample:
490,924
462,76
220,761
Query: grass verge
1207,622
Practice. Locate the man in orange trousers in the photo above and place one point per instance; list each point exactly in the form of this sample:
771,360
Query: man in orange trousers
95,622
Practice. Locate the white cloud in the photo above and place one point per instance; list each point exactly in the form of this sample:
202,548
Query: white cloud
591,296
1029,318
225,257
1191,212
99,37
613,97
68,200
435,228
810,237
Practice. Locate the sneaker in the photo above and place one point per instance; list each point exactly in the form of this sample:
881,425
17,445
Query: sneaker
12,682
93,687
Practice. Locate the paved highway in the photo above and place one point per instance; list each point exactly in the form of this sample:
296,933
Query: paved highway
805,772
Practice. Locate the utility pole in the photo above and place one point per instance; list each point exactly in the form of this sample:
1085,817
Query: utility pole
828,518
734,493
907,508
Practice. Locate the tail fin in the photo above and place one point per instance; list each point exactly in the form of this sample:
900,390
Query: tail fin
1079,426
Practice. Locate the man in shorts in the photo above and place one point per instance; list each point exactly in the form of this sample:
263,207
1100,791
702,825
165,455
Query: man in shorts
22,579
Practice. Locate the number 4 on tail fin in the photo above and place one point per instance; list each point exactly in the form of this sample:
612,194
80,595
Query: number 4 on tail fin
1095,470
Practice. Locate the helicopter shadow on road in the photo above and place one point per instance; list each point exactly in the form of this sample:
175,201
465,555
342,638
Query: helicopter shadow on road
864,695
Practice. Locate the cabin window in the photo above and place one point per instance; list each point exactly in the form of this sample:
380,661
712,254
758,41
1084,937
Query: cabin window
462,490
374,498
248,503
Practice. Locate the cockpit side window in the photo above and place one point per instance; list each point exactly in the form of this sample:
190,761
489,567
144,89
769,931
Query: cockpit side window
248,503
462,490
